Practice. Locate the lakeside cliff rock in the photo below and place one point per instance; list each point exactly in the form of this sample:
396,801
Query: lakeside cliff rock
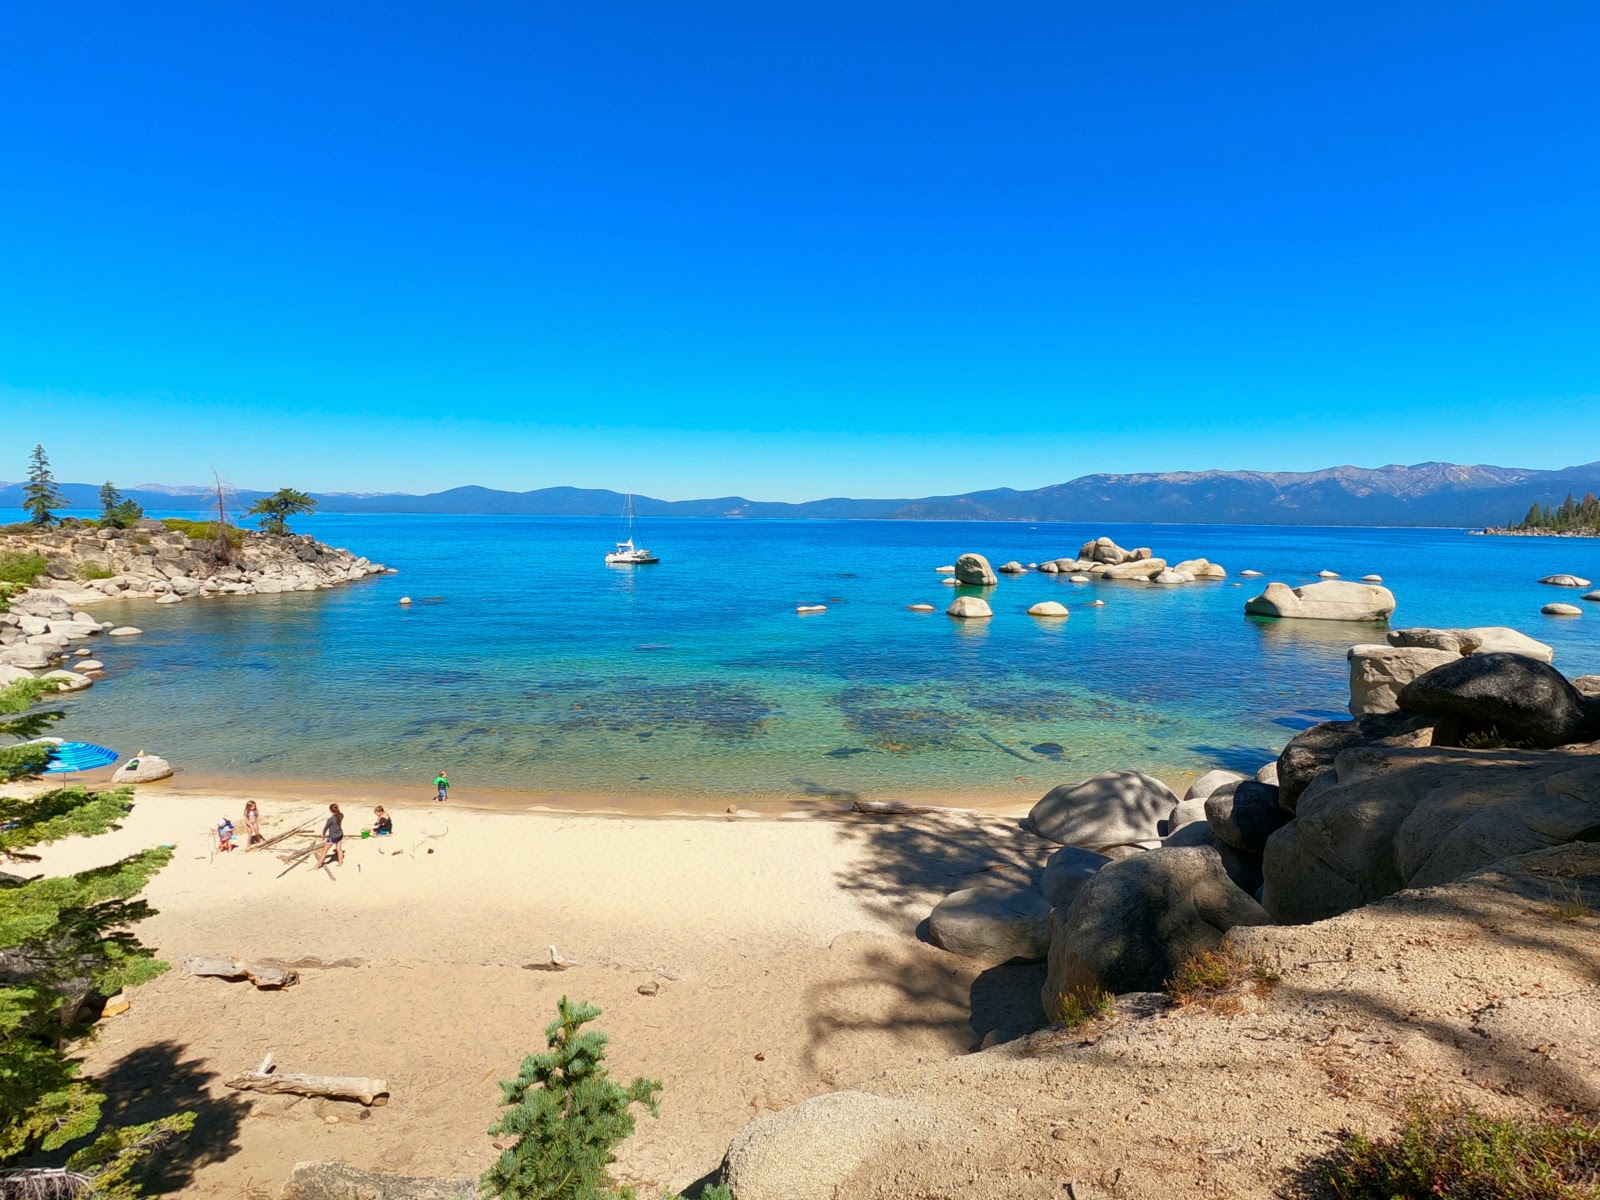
84,565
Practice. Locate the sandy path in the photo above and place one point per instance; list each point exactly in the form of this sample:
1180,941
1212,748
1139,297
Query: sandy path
784,951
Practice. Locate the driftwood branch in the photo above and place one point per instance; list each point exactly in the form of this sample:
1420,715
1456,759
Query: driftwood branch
329,1087
262,974
278,837
895,808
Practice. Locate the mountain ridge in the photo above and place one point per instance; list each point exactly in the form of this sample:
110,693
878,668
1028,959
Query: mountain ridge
1422,494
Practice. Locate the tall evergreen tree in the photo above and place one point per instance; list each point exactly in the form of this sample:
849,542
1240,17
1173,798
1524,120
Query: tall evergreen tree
40,496
55,933
117,512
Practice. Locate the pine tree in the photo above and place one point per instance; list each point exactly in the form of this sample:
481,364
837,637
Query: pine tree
567,1115
59,936
276,509
117,512
40,495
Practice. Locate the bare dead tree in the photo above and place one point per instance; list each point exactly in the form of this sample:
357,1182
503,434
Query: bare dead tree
219,550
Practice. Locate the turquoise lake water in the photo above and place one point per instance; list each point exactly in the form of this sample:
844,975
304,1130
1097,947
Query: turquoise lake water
525,663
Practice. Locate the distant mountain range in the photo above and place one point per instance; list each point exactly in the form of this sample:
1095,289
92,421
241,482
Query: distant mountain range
1426,494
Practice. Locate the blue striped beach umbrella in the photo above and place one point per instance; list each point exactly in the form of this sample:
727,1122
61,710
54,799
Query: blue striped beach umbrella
79,756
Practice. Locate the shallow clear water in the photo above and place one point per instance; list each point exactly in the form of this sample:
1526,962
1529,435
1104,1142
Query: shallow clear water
525,663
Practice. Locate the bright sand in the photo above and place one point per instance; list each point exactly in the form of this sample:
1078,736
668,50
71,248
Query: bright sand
785,953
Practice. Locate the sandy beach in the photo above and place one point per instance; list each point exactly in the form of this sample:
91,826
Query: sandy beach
783,953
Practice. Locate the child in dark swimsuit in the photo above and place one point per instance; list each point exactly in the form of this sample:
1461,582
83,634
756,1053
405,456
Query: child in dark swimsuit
333,836
382,826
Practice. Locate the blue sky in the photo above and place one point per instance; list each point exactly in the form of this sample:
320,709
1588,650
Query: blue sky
865,248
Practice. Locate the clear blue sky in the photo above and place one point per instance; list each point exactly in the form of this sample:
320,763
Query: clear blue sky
792,251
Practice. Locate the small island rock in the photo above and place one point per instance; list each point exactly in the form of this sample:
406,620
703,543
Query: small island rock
1048,608
1335,600
969,608
1562,610
975,571
1572,581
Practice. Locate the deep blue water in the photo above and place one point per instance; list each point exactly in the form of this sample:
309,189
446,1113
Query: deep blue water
526,663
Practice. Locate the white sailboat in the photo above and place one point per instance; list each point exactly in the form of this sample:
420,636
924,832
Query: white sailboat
627,553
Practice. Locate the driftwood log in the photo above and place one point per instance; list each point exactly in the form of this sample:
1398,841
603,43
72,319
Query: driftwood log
262,974
330,1087
895,808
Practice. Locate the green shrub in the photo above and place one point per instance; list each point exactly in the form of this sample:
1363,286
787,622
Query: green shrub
1451,1152
1077,1009
567,1116
94,570
204,531
1214,977
22,566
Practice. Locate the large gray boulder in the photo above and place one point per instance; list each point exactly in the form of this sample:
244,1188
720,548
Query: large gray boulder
1114,808
1377,673
1244,869
1104,550
1137,921
1245,815
1571,581
995,924
1521,698
142,768
1416,817
21,654
974,569
809,1150
1312,751
1333,600
1066,871
1136,568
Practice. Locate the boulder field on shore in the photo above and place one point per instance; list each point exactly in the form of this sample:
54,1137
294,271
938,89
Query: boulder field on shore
1397,871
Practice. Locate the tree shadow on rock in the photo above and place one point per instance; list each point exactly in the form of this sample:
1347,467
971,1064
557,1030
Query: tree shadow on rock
1008,997
156,1081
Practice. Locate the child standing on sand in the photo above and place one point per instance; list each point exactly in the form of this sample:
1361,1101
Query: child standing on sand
441,788
332,836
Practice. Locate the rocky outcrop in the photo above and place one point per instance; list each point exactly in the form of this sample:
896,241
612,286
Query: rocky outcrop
975,571
1312,751
1483,639
1114,808
88,565
1571,581
1135,922
1012,568
1334,600
1393,818
1520,698
1378,672
1208,783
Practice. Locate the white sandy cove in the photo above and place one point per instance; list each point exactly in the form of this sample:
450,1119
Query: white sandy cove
784,951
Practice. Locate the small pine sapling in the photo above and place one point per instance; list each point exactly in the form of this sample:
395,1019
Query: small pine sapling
567,1115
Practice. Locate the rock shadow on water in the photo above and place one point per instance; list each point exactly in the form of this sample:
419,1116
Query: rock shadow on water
1246,760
